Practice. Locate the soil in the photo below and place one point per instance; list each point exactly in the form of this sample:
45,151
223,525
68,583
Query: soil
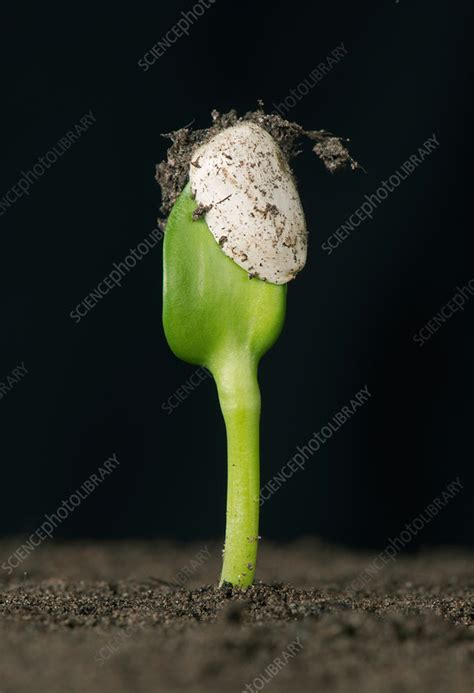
144,616
172,173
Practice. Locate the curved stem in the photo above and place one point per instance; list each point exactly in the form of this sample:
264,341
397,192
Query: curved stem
239,397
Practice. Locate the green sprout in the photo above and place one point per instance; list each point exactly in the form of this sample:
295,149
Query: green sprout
215,317
238,218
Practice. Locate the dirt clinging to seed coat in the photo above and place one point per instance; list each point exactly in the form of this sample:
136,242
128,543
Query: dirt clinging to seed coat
172,173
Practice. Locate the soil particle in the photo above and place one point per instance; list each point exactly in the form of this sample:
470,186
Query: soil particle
172,173
332,151
110,617
200,211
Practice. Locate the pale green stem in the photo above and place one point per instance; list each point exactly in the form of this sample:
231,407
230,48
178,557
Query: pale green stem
239,397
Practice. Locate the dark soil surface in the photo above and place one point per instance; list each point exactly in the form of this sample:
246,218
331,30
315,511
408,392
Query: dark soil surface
110,617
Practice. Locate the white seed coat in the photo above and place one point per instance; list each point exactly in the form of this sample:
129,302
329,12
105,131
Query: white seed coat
252,208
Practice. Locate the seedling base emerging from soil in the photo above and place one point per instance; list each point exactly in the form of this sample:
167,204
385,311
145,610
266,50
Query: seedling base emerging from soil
216,317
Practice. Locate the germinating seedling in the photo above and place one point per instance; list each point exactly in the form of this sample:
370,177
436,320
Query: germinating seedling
235,237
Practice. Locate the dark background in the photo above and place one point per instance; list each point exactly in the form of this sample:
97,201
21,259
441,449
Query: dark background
98,387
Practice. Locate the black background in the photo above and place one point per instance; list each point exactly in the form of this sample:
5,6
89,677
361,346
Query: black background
98,387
